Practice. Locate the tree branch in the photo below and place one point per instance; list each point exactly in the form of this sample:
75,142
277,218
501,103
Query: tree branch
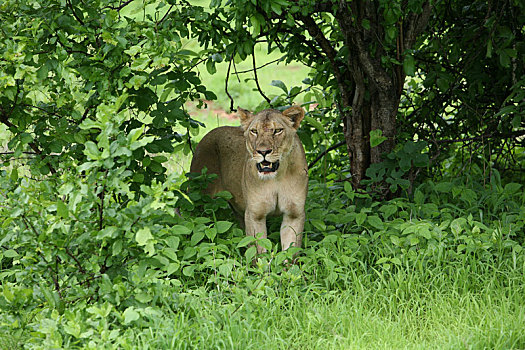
232,107
355,37
416,24
165,16
261,66
257,79
316,33
492,135
73,11
325,152
121,6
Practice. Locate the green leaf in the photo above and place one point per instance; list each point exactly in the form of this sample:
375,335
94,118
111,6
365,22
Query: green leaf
376,137
209,95
91,150
180,230
172,267
136,81
62,210
8,293
375,222
211,233
14,174
382,260
143,236
197,237
396,261
409,65
130,315
360,218
512,188
457,225
245,241
108,232
250,253
173,242
280,85
314,123
189,270
10,253
144,297
135,134
318,224
388,210
443,187
266,243
223,226
226,269
210,66
504,59
256,25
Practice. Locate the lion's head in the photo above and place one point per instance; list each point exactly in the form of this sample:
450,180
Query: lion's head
270,137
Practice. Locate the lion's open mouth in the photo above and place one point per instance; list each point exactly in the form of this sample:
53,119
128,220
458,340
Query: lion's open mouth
267,167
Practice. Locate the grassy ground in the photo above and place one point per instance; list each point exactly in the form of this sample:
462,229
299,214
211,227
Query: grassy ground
404,310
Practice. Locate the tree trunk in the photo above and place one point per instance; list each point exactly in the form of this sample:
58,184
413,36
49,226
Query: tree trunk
369,89
376,90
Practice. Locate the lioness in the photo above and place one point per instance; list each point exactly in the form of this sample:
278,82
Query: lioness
263,165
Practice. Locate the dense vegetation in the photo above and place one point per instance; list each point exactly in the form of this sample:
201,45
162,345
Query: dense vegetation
105,243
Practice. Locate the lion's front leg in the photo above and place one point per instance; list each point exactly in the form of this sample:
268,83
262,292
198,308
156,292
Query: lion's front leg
292,230
255,223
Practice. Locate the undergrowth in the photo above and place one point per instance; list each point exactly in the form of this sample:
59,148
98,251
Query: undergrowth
86,263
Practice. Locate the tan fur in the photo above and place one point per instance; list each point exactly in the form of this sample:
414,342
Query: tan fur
233,153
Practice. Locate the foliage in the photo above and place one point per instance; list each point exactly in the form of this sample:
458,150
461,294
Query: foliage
66,278
469,73
70,67
102,248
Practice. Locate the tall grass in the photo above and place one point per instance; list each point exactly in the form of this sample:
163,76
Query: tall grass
406,309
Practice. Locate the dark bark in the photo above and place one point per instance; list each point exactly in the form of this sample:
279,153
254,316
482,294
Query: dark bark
369,92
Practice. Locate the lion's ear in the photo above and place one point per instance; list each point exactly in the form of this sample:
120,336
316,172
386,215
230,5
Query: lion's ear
246,117
295,114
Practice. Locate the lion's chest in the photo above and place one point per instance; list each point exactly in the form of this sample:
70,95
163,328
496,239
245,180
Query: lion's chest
270,199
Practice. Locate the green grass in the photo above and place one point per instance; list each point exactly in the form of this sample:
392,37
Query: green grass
404,310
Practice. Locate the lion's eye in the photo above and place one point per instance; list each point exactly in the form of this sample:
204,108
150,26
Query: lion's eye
253,131
277,131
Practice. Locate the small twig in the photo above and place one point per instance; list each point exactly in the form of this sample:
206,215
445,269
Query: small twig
101,208
68,252
165,16
74,14
485,136
257,80
261,66
54,277
29,225
189,140
232,108
195,65
236,73
331,148
43,110
121,6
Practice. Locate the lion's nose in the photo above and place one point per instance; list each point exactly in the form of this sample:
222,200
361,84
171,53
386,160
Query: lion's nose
265,152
